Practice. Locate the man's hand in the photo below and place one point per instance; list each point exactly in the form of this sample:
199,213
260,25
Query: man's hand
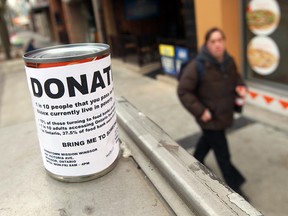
241,91
206,116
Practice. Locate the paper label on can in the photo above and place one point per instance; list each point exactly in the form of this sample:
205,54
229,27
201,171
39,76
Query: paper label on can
75,115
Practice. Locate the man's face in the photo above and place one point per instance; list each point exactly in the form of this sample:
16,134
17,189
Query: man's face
216,45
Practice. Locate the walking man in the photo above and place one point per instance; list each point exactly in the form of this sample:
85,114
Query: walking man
210,96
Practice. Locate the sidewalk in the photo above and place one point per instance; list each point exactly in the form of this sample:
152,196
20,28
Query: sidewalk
258,142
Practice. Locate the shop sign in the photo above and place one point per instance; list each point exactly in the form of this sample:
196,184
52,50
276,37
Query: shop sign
167,53
172,57
182,56
141,9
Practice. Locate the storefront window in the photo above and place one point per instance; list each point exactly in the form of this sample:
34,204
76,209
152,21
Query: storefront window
266,46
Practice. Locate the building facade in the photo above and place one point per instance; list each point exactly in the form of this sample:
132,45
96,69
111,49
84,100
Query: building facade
256,31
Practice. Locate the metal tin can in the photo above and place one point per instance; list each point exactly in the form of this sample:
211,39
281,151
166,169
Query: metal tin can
72,95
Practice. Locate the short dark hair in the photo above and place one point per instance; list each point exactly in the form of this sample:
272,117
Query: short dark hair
211,31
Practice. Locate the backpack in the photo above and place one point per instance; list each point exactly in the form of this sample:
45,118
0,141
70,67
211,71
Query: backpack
199,68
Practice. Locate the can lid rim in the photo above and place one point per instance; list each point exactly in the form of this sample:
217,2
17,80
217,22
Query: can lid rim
35,55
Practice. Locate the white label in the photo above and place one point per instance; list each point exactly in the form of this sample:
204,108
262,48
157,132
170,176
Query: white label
75,115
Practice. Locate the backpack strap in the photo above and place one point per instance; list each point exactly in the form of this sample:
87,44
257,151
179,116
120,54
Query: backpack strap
200,69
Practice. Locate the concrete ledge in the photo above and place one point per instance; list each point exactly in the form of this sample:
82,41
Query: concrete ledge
203,192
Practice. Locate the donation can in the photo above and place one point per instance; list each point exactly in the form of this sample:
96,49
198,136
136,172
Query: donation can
72,95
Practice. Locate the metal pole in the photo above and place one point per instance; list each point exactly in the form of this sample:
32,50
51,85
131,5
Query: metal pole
4,34
97,14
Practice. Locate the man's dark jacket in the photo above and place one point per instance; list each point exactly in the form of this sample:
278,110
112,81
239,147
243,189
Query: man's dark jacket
214,90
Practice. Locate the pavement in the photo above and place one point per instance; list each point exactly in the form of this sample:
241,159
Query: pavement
258,139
